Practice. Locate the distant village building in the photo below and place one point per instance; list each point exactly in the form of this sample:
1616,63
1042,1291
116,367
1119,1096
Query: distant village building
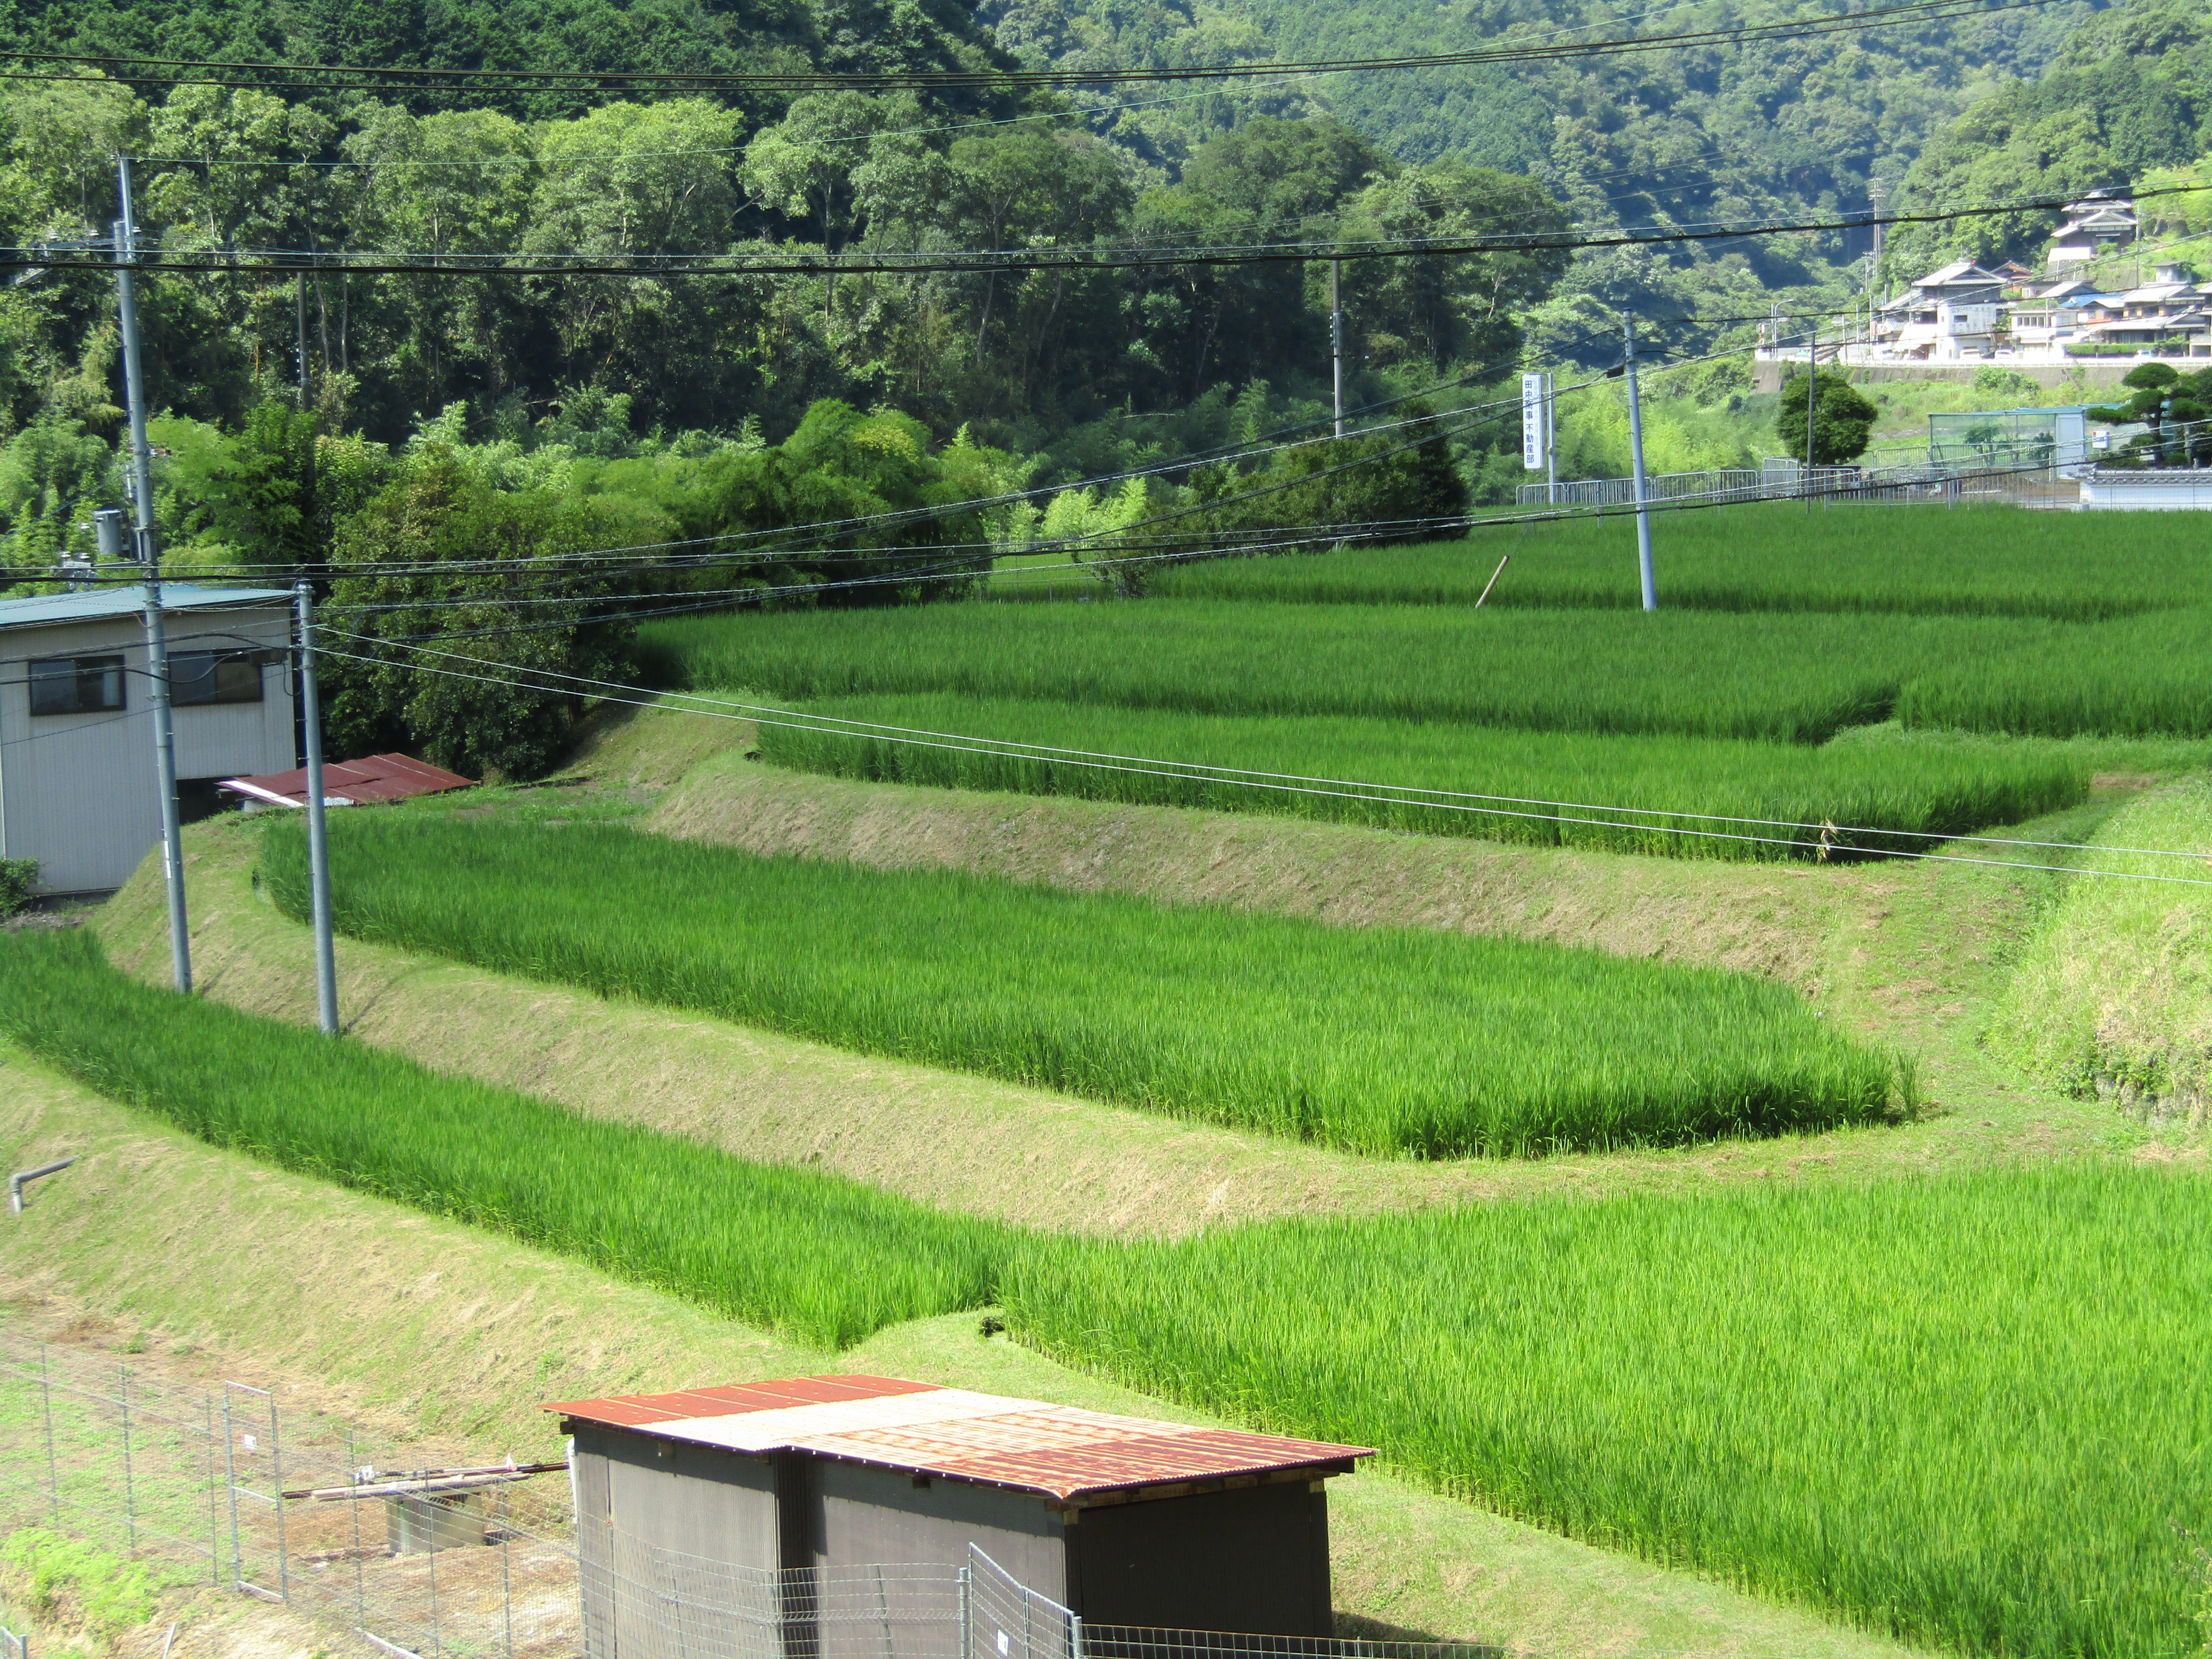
1946,316
2094,225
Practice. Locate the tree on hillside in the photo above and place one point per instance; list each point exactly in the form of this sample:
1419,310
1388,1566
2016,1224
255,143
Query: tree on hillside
1842,419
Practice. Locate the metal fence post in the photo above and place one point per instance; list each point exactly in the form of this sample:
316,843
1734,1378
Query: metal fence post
430,1525
967,1613
130,1488
214,1511
360,1586
276,1493
505,1584
230,1479
1075,1636
53,1468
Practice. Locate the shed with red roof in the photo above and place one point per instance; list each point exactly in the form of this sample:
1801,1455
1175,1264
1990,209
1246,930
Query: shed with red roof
1125,1519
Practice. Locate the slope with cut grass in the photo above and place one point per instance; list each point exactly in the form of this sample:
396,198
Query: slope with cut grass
1384,1040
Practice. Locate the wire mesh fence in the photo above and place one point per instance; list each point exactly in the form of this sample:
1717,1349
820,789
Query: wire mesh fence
229,1487
1948,485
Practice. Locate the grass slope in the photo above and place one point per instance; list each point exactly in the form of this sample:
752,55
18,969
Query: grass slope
1964,1410
1382,769
1384,1040
827,1258
2110,996
1984,562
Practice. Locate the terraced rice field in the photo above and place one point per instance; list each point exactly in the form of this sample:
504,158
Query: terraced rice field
1386,1041
1708,797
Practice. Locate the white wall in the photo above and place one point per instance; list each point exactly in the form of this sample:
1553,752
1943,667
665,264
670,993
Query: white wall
78,792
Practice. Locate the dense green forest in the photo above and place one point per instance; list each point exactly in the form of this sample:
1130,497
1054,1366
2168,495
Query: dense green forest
2127,101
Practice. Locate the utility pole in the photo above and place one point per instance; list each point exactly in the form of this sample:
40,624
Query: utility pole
1811,383
318,844
1336,336
1636,460
157,643
1551,439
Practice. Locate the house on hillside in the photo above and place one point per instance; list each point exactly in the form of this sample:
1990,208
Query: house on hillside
1945,316
77,783
2098,223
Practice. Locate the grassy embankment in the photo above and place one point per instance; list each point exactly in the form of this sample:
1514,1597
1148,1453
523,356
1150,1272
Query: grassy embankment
1384,1041
1959,1409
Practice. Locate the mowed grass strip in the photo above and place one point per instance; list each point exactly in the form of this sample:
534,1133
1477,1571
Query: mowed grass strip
1964,1410
1977,562
1378,1040
1679,784
1796,679
827,1259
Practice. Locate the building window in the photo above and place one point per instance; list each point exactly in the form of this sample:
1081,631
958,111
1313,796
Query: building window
205,677
76,685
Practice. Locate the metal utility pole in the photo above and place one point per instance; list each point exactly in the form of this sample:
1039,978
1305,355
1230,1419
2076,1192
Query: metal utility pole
157,643
1336,336
318,844
1812,385
1636,460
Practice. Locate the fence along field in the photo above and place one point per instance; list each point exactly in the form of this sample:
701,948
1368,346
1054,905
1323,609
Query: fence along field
827,1259
1902,785
1964,1409
1385,1041
1979,561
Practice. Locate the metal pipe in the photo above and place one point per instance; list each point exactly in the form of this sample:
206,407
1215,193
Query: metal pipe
15,1181
319,842
1635,461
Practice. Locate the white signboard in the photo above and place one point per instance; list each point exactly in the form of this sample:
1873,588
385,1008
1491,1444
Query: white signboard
1532,421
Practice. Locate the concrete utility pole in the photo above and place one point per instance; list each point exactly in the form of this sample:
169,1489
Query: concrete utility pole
1636,460
157,643
1336,336
1811,383
319,842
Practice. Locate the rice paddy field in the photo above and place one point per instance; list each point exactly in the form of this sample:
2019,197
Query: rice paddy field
1975,561
1710,796
1967,1410
827,1259
1386,1041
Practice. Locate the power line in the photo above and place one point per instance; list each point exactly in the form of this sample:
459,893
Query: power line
134,68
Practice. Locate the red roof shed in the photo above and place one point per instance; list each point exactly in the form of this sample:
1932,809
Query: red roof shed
351,783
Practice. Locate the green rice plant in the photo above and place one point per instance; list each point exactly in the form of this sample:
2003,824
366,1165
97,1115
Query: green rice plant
1793,678
1986,561
1387,1041
827,1259
1388,773
1961,1410
2141,677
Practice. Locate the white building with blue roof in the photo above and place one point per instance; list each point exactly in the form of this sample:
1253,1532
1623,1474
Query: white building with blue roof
78,790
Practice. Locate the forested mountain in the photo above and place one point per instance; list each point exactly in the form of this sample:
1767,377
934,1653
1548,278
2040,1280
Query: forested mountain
2129,93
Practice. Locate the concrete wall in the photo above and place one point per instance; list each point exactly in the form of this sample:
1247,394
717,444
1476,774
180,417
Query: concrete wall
78,792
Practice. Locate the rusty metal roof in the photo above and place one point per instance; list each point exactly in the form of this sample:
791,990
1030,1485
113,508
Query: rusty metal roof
1058,1450
355,782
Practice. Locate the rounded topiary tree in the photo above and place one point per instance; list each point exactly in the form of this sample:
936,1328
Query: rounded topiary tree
1842,419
